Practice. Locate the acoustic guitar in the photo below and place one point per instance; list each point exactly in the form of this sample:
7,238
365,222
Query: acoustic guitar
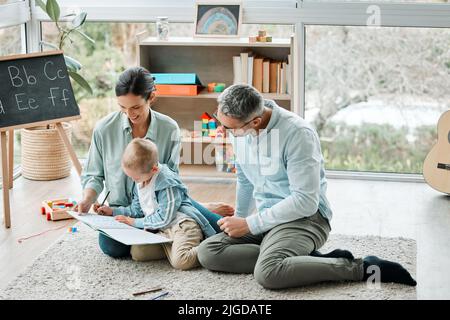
436,168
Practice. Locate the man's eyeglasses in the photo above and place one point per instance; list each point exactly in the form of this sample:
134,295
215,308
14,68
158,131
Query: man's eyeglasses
227,128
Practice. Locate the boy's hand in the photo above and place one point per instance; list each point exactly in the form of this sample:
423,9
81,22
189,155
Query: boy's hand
104,210
124,219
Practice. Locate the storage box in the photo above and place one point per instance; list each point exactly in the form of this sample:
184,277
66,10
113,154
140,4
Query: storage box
177,90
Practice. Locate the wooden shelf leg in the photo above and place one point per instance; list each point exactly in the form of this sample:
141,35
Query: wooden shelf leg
6,207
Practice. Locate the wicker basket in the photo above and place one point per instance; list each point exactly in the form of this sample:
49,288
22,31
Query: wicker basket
44,154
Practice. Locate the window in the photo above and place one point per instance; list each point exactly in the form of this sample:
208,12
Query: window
375,94
11,40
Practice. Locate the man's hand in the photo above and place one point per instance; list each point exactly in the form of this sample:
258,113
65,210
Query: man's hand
233,226
104,210
124,219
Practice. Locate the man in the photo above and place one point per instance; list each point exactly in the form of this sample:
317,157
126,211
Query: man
280,173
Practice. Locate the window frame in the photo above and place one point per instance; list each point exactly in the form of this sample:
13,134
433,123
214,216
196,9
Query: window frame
15,13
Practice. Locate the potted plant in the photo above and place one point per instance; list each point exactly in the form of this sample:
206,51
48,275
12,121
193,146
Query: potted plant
44,155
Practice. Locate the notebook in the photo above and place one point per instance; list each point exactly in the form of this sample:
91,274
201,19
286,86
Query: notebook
119,231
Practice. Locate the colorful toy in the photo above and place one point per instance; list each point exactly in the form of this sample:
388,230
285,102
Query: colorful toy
261,37
216,87
211,86
205,120
212,127
219,87
209,125
73,229
57,209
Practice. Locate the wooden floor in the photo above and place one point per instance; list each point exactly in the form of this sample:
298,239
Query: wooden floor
393,209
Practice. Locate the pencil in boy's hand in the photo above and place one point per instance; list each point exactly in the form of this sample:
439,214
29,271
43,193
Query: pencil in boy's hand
106,197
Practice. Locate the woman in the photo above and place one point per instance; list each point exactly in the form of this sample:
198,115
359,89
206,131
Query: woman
135,95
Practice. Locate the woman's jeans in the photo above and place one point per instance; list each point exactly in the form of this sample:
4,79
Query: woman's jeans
117,249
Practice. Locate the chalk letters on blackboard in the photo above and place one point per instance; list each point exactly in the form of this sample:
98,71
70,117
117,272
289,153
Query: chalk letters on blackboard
59,72
52,97
2,111
16,80
21,105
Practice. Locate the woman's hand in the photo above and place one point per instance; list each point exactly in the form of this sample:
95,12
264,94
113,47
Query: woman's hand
83,206
124,219
104,210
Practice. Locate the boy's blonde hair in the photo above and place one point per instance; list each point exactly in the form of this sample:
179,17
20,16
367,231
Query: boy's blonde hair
140,155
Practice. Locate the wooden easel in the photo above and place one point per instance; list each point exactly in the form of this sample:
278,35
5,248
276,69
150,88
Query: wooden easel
7,150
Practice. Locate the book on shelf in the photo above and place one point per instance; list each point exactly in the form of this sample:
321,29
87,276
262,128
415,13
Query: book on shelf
250,70
244,67
177,78
273,76
288,75
266,76
283,78
237,69
258,73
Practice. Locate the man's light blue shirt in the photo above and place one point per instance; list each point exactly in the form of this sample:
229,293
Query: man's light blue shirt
280,173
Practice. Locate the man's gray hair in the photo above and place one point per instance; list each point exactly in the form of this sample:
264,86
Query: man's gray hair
241,102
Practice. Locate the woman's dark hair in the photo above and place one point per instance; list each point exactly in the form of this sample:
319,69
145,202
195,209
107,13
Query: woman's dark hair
136,80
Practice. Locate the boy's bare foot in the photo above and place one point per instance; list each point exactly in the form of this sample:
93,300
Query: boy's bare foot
220,208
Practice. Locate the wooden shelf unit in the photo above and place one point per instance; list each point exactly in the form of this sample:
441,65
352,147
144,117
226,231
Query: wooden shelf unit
212,61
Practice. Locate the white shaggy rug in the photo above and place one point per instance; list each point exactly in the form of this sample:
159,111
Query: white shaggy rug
75,268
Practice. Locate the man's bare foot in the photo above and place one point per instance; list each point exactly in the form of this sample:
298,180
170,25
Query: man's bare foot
220,208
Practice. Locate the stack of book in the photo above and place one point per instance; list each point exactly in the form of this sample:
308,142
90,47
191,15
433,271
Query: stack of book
266,75
177,84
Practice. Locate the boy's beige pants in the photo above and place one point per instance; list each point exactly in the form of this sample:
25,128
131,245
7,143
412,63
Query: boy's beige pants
186,235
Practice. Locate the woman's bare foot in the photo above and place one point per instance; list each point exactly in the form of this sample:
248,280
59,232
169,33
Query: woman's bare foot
220,208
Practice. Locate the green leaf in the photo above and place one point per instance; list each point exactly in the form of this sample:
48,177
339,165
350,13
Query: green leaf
81,81
41,4
53,10
85,36
72,64
70,68
79,20
48,44
69,15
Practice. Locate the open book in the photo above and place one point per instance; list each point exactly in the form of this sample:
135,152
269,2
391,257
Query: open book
119,231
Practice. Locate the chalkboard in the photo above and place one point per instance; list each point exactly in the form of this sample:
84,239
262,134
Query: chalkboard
35,89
